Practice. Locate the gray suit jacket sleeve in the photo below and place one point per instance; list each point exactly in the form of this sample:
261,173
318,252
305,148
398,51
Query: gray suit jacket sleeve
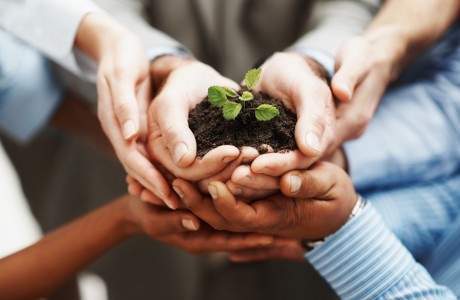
130,13
334,21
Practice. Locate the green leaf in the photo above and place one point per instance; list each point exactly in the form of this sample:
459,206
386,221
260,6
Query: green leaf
216,95
266,112
252,78
246,96
230,92
231,110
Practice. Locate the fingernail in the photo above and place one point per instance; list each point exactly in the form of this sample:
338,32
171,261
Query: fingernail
346,90
178,191
313,141
169,204
179,152
129,129
228,159
266,241
295,183
212,191
188,224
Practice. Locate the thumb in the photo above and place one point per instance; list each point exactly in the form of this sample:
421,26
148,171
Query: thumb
351,68
314,183
126,107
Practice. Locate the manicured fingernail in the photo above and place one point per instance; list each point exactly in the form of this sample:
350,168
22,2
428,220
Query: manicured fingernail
129,129
178,191
169,204
188,224
179,152
212,191
313,141
295,183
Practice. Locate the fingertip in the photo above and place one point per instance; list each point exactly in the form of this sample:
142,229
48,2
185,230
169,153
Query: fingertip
129,129
190,224
341,90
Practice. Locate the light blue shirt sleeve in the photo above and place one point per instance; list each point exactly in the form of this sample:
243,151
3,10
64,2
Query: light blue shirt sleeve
365,260
29,92
322,57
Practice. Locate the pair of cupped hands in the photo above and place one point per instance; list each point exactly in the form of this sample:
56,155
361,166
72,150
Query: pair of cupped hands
235,200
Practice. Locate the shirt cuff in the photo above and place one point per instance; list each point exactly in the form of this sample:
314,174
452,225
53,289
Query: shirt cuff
160,50
363,259
322,57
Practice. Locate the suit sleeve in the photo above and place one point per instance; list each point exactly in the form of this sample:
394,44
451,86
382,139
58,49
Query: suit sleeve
51,27
331,23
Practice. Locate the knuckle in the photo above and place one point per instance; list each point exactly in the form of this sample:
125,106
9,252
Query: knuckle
122,108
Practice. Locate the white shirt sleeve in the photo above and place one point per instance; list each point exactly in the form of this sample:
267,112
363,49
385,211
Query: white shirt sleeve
51,27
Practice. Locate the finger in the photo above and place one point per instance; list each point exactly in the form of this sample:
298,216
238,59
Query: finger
150,178
245,177
351,68
248,194
207,240
199,205
314,183
311,124
248,154
276,164
135,188
167,222
172,118
125,105
148,196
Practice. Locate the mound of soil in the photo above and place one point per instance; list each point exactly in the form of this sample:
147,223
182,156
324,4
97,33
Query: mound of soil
212,130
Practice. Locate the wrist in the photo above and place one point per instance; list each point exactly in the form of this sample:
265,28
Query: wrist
128,223
162,66
98,33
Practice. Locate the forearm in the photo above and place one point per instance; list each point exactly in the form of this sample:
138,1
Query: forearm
406,28
37,270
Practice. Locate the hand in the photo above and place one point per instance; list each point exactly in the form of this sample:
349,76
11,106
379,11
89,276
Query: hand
182,229
123,85
184,84
318,203
364,70
295,80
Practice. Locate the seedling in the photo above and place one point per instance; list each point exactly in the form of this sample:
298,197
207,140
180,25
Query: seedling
218,96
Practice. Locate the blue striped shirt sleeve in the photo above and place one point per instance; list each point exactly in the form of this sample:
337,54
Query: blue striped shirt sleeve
365,260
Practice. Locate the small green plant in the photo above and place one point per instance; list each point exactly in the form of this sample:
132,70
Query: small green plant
218,96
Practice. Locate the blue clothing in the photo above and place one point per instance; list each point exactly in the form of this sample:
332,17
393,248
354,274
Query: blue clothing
29,93
415,133
406,243
365,260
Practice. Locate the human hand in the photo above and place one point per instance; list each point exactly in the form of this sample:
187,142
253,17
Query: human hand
364,68
182,229
297,81
289,250
183,84
123,85
318,203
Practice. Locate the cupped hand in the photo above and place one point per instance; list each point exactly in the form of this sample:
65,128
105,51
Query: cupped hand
183,83
182,229
124,91
315,204
298,82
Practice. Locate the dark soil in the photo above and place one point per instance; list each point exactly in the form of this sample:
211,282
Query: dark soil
212,130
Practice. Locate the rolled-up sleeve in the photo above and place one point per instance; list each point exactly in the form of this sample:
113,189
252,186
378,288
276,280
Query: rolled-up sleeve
51,27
